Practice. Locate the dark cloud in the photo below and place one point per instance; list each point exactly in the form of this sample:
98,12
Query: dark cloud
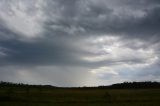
41,52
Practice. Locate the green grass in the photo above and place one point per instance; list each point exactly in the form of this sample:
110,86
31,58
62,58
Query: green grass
21,96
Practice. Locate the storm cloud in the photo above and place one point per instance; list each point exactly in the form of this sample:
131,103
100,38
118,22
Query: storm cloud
79,42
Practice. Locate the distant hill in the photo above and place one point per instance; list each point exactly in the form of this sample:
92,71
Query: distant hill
125,85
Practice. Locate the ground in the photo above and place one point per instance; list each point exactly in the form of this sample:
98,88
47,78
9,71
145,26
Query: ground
39,96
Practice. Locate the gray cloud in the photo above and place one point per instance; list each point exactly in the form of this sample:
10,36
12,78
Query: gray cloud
99,38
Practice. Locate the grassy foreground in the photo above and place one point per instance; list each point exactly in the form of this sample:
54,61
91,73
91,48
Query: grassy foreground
43,96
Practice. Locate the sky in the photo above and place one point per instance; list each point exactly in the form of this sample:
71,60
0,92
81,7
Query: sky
79,42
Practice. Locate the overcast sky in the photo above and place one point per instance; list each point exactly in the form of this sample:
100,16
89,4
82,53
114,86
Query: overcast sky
79,42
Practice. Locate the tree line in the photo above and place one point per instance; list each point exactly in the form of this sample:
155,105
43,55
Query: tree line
124,85
134,85
11,84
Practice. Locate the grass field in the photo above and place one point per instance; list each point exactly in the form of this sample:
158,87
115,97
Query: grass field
23,96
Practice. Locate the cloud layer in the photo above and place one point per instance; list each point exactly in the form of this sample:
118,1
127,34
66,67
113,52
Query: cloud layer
79,42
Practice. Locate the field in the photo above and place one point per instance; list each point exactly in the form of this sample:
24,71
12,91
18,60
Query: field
41,96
